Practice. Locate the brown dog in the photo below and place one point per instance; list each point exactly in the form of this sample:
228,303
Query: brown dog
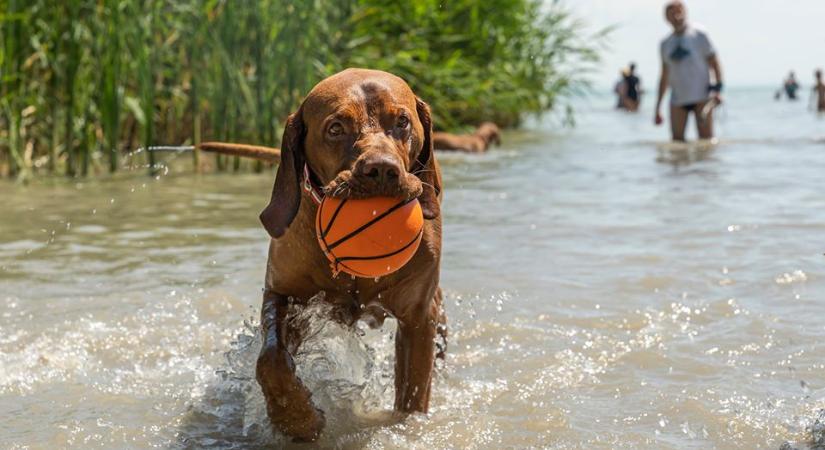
477,142
359,133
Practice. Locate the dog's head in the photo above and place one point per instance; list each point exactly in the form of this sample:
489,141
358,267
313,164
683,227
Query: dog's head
489,132
362,133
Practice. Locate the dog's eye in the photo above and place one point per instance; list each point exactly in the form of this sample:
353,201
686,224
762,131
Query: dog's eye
403,121
336,129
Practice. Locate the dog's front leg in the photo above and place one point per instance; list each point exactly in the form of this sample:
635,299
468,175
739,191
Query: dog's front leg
414,358
288,402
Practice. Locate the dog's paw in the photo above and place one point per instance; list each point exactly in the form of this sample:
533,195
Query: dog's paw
288,402
310,429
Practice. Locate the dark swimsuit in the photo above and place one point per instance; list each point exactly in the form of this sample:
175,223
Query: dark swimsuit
632,83
692,106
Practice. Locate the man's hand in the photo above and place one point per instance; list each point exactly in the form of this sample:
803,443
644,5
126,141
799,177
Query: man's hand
716,97
663,83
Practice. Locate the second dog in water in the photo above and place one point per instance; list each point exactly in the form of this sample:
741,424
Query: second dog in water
477,142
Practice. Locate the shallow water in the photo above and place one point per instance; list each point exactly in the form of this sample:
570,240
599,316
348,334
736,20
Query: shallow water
601,293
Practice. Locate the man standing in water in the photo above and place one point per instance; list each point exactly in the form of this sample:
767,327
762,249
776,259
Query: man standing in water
688,58
819,91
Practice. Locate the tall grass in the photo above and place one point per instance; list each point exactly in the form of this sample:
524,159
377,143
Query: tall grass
83,81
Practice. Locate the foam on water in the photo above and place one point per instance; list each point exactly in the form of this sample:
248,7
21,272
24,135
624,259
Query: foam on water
195,396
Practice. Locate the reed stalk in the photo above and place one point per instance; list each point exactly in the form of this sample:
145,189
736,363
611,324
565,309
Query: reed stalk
99,77
109,99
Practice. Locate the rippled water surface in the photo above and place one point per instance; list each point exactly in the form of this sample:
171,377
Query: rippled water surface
603,292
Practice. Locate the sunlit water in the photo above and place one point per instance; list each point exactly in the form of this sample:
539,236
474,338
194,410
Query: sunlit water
601,294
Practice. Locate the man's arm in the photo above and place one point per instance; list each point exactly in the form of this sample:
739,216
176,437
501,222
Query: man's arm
713,62
663,82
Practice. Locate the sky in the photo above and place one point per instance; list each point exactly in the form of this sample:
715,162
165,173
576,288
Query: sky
758,41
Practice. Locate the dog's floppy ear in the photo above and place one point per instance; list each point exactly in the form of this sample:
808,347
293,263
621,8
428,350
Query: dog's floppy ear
286,194
426,167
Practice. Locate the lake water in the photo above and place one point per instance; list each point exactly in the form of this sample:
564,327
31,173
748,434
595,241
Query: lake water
601,292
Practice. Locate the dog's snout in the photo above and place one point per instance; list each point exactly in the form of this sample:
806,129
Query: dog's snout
380,168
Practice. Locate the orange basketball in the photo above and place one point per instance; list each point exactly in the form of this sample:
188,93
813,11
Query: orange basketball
369,237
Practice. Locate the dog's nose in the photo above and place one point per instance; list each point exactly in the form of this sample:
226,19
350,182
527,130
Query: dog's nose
380,168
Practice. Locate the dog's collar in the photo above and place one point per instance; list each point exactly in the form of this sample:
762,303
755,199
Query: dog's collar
314,191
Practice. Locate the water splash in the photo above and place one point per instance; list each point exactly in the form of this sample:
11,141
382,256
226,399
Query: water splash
348,370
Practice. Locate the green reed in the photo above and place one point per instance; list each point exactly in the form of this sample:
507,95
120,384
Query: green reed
84,81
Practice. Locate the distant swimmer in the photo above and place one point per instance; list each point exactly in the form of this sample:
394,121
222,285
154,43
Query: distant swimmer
633,89
688,58
790,86
819,91
628,89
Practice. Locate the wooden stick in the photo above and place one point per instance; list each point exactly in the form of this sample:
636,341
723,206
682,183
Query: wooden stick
269,154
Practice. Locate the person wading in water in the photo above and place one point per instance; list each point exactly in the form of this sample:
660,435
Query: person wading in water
632,91
688,58
819,91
